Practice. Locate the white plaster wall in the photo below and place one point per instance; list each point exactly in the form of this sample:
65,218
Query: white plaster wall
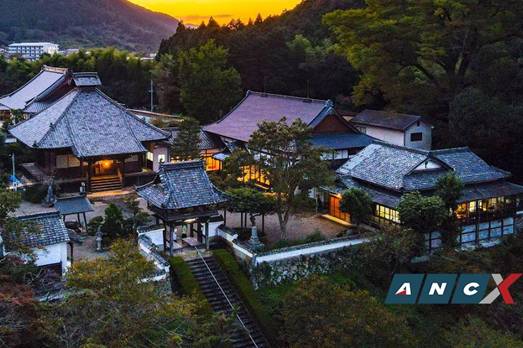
388,135
426,142
159,150
52,254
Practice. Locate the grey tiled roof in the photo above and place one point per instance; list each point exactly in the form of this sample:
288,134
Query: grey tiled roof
489,190
35,107
383,197
181,185
339,141
50,229
47,78
469,166
242,121
392,167
73,205
207,141
86,79
88,122
385,119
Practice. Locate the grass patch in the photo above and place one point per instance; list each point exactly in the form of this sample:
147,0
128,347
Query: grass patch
247,292
188,284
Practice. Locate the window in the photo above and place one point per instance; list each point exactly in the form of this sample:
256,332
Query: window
162,158
212,164
416,136
387,213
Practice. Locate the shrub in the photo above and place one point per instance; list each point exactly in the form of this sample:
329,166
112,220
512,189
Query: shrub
93,225
35,193
316,236
246,292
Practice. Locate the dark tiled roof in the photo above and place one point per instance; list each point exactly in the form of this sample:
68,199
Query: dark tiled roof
494,189
181,185
207,141
73,205
392,167
385,119
87,79
50,229
383,197
242,121
47,78
339,141
468,166
36,107
88,122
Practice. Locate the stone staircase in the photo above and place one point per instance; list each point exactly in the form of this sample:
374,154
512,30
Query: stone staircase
248,336
105,183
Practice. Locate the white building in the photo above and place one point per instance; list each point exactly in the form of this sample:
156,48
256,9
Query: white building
48,238
394,128
32,50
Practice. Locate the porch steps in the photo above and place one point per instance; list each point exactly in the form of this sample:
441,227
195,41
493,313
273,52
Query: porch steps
105,183
239,337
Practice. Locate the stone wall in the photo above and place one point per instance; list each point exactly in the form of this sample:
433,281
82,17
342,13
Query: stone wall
296,268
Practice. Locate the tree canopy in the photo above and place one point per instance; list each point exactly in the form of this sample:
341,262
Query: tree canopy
186,145
423,214
358,204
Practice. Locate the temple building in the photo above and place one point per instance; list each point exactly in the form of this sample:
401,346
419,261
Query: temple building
182,196
329,130
37,94
86,137
487,207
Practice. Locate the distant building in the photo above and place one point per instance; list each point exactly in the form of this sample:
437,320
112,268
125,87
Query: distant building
32,50
394,128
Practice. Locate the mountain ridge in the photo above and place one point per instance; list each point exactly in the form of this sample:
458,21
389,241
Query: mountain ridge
87,24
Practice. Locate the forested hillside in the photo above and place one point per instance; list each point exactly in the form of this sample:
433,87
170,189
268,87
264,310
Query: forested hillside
80,23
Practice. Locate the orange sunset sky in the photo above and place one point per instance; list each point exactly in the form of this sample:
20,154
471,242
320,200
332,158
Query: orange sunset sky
194,11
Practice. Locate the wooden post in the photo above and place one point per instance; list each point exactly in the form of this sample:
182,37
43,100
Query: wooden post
171,235
207,235
85,221
224,217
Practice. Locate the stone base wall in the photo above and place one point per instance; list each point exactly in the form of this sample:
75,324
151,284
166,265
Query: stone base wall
292,269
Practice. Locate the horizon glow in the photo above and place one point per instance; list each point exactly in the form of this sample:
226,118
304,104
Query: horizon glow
195,11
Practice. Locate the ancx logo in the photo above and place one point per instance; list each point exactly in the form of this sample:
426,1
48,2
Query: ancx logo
440,288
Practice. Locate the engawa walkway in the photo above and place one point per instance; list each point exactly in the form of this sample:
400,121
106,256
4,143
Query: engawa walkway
219,292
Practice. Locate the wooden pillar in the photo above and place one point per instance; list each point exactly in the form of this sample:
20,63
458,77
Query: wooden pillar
85,221
207,235
71,244
171,236
224,217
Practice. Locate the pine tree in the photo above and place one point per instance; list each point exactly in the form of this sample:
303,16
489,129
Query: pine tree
186,144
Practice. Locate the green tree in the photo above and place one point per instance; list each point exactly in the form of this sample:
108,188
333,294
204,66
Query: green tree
423,214
290,163
111,304
420,54
113,225
450,189
186,145
250,201
313,317
208,87
358,204
165,74
475,333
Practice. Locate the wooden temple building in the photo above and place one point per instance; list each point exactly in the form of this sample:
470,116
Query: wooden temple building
86,137
182,194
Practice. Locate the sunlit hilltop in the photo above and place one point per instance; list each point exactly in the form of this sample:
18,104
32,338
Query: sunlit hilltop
196,11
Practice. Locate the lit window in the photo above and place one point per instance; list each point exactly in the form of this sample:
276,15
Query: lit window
387,213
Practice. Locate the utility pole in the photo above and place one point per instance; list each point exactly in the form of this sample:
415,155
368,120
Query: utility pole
151,91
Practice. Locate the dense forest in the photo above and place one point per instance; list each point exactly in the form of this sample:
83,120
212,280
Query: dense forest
93,23
459,63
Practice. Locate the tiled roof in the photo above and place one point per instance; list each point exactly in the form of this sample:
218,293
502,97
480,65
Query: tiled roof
392,167
383,197
207,141
181,185
47,78
339,141
73,205
494,189
385,119
88,122
50,230
242,121
86,79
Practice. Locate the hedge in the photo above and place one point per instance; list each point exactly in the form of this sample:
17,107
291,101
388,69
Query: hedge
246,291
187,282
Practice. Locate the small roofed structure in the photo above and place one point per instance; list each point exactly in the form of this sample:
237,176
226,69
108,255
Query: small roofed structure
183,194
48,237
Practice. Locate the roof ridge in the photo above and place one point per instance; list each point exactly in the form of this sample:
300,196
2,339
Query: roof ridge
286,96
39,214
399,147
114,102
55,69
